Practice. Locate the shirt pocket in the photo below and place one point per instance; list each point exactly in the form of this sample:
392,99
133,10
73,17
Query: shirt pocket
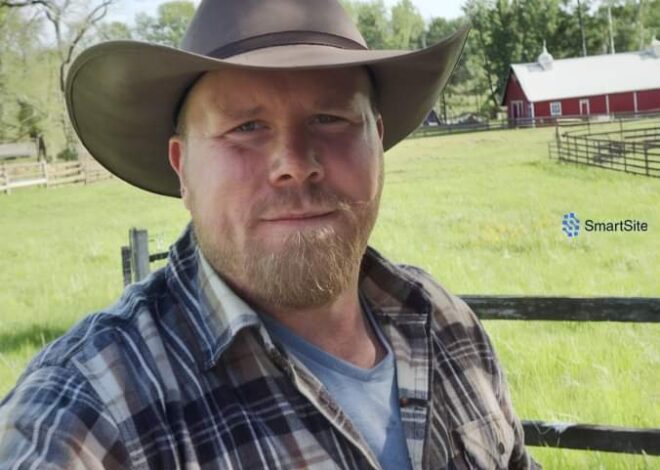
487,442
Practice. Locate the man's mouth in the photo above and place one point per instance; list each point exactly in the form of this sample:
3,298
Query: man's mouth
298,216
299,220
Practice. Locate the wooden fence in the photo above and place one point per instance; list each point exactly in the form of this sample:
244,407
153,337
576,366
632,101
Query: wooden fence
628,144
603,150
135,267
567,121
22,175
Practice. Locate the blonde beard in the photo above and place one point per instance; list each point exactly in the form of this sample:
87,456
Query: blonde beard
310,269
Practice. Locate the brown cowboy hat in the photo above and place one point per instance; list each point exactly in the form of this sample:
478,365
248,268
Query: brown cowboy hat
122,96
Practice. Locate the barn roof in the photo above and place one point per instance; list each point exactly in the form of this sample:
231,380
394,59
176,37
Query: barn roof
589,76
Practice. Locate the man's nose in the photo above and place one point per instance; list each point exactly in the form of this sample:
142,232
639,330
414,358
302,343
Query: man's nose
295,160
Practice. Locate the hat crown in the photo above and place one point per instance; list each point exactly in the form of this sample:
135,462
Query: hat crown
224,28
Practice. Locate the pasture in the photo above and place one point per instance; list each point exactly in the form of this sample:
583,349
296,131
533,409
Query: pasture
481,212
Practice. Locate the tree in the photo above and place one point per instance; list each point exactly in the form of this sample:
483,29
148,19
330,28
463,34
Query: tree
407,26
17,34
169,27
71,21
634,22
566,40
497,39
467,80
30,119
651,18
113,31
373,24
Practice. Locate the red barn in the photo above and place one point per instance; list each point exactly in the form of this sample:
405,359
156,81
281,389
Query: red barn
628,82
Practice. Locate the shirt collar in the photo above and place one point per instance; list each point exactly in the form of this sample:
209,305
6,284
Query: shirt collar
217,314
214,312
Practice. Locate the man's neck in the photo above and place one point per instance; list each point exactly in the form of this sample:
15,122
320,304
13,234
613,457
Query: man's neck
339,328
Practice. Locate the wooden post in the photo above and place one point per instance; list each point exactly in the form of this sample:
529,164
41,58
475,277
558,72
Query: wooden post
139,244
5,170
126,264
559,149
3,180
646,158
44,171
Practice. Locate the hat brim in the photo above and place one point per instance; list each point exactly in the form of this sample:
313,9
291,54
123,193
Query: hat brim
122,95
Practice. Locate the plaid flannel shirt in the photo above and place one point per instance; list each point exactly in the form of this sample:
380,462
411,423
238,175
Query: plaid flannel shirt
180,373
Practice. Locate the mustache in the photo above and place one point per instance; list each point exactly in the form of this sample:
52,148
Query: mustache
297,199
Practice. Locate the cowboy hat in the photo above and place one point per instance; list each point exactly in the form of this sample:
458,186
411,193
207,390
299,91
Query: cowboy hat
122,96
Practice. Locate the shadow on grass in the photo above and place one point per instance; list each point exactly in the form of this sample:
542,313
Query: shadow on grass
33,336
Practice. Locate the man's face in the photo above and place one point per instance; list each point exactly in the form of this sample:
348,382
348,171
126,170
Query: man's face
282,173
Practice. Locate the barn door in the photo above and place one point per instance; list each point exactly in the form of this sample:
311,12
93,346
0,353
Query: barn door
516,110
584,107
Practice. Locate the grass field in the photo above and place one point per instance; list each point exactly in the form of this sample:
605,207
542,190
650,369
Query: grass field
481,212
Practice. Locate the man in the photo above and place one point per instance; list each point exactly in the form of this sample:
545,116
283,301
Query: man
274,338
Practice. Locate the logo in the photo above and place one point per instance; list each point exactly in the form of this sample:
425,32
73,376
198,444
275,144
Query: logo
570,225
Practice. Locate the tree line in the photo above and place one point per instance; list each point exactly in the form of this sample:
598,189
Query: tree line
41,37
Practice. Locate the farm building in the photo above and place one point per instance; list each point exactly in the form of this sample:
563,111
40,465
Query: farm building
627,82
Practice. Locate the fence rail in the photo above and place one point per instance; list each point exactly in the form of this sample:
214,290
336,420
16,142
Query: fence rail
21,175
135,259
620,145
612,309
592,437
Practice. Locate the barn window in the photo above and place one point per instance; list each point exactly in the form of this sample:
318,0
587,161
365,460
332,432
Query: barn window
555,108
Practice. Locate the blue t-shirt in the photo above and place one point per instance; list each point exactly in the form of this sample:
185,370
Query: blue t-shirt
369,397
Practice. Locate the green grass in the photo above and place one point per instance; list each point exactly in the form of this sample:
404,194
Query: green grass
480,211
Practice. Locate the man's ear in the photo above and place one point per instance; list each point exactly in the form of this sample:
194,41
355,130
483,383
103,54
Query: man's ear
176,153
380,127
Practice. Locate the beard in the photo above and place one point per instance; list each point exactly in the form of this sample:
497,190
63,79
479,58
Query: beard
309,268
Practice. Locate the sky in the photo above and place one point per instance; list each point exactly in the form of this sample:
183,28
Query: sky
125,10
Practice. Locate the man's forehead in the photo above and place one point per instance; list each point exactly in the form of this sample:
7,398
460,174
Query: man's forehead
242,89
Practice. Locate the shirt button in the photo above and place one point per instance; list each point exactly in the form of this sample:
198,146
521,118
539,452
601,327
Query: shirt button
500,448
403,402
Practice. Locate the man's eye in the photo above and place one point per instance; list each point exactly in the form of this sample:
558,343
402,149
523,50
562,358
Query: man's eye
326,119
248,127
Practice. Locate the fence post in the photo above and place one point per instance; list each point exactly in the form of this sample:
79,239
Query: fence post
3,181
7,178
139,245
126,264
44,171
646,158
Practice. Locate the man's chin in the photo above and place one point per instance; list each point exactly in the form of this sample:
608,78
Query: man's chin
309,269
301,268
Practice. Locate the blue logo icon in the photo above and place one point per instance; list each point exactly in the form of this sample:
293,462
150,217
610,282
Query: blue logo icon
570,225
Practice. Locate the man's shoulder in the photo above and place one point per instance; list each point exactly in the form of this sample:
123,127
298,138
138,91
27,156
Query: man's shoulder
448,307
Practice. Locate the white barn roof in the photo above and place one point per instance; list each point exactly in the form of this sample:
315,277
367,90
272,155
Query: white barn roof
589,76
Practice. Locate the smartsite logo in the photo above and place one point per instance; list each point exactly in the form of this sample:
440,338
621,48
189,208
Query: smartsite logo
570,225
